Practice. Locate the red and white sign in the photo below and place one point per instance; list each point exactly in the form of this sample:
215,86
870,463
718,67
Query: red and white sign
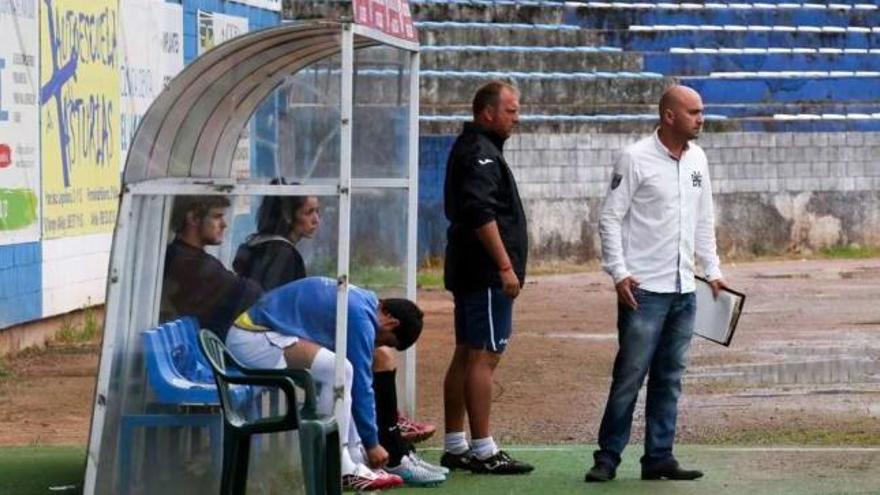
5,155
392,17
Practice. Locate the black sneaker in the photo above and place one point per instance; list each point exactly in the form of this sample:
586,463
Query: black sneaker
457,461
500,463
601,471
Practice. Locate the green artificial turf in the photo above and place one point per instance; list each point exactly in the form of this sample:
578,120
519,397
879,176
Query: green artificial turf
559,470
41,470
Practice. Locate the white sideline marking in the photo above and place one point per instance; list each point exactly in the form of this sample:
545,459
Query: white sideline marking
793,449
569,448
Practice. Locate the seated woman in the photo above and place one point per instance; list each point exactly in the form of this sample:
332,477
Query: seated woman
295,326
269,256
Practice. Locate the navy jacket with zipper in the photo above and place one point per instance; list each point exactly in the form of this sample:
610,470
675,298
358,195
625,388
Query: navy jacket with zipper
480,188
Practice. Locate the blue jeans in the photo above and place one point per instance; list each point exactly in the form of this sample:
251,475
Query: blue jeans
654,340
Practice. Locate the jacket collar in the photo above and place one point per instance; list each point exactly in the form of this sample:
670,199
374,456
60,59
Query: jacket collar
473,127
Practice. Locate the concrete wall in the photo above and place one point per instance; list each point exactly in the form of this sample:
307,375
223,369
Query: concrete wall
774,193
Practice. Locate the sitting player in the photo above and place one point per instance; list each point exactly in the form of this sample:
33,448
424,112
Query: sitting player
295,326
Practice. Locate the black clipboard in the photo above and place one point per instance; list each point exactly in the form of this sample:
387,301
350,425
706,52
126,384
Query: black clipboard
716,321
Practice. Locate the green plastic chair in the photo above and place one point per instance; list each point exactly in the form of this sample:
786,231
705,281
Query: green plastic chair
319,437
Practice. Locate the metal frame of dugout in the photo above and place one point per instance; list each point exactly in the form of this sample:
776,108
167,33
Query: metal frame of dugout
185,145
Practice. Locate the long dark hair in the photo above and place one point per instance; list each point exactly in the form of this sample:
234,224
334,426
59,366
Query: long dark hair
277,214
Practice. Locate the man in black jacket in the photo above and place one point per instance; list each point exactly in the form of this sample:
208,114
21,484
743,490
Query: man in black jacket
487,245
194,282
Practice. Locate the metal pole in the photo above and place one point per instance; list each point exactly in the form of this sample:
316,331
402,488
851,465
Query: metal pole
342,261
412,224
112,325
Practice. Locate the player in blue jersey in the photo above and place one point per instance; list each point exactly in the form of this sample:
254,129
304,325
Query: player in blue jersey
294,326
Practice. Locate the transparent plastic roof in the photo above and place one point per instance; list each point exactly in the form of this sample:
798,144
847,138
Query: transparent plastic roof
193,127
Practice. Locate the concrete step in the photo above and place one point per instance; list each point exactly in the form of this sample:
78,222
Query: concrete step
634,127
510,35
488,12
482,58
454,95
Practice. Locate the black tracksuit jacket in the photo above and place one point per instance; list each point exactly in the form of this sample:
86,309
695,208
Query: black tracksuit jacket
480,188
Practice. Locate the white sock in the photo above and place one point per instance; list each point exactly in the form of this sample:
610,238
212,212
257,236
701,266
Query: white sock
357,453
484,448
322,369
455,443
348,466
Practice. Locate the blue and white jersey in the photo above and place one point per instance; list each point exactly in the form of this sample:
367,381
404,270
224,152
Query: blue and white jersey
306,308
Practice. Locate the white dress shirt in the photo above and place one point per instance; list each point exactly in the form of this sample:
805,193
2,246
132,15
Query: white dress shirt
657,215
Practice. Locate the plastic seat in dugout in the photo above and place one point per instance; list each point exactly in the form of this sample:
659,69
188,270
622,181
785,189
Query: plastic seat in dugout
330,107
319,437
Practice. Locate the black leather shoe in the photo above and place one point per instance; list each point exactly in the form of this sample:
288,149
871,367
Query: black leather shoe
669,470
601,471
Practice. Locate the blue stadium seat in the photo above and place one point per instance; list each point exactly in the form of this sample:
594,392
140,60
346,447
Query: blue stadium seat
615,18
688,64
182,395
654,41
797,89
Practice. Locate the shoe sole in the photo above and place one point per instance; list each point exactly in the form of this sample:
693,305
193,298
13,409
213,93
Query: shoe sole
593,479
666,478
418,437
459,467
500,473
423,484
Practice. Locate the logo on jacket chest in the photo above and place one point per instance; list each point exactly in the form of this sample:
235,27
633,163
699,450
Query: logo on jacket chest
697,179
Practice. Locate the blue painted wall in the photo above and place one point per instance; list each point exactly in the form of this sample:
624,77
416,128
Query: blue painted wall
21,278
433,152
257,19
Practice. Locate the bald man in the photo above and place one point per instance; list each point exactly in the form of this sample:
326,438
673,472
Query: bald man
656,218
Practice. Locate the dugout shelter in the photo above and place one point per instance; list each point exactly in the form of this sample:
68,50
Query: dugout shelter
343,98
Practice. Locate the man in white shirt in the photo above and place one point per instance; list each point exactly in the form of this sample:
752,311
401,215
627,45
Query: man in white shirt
657,216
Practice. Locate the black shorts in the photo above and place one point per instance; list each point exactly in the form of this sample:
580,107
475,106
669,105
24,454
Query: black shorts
483,319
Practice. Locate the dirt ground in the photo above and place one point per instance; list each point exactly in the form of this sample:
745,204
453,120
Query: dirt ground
804,367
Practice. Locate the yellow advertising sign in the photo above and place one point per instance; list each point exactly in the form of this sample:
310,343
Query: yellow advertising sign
79,110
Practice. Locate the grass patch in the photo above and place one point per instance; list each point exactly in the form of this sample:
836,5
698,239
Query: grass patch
853,434
430,275
35,470
4,369
72,332
430,278
852,251
377,277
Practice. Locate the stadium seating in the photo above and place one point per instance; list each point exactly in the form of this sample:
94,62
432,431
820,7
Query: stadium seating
770,65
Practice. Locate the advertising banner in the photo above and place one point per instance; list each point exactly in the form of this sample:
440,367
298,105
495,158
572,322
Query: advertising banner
392,17
214,28
151,40
19,122
79,110
273,5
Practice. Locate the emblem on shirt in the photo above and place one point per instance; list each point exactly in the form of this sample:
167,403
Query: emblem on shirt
484,161
615,181
697,179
